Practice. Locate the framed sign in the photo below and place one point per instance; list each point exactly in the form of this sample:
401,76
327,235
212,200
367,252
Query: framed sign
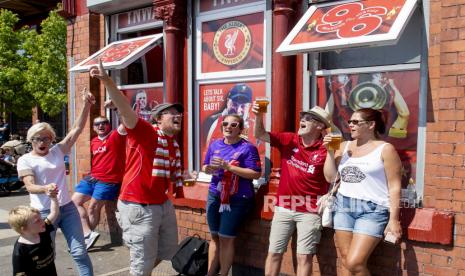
231,44
344,24
120,54
221,99
395,93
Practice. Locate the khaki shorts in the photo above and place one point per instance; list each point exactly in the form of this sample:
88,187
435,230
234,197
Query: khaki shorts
150,232
283,226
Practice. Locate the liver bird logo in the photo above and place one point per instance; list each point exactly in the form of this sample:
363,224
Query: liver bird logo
230,42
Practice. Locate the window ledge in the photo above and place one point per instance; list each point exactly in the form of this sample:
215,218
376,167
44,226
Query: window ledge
429,225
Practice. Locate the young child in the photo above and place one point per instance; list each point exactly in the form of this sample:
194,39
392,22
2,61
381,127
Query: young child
34,252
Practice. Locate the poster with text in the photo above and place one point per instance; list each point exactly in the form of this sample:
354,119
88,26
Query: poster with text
395,93
219,100
144,99
234,43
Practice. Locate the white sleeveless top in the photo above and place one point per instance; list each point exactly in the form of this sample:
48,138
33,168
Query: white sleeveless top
364,177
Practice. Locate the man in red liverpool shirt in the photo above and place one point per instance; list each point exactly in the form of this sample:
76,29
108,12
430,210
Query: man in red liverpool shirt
103,183
302,181
153,162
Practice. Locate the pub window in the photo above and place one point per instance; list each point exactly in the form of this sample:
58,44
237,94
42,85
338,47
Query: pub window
385,78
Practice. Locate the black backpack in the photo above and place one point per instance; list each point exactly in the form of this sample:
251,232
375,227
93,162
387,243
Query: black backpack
191,258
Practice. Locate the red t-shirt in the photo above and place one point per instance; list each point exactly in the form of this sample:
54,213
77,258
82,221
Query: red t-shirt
108,157
141,183
302,179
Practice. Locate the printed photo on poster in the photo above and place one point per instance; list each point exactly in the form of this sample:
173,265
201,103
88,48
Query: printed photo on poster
144,99
234,43
219,100
395,93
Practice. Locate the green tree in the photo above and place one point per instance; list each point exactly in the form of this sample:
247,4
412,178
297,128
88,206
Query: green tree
13,95
46,64
32,65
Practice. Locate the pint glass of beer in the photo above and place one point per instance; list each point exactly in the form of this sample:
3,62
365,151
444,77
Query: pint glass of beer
262,104
336,139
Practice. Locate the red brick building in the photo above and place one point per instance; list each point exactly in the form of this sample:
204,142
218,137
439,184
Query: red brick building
416,73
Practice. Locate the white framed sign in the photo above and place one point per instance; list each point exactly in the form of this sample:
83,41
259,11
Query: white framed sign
349,23
120,54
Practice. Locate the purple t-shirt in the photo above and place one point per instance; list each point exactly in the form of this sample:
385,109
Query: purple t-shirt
242,151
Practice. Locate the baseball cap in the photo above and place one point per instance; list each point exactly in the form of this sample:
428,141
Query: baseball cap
163,106
240,93
320,113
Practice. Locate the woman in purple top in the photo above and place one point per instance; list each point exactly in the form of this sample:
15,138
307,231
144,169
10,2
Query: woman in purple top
234,163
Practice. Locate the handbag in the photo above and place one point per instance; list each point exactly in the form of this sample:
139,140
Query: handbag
191,258
326,203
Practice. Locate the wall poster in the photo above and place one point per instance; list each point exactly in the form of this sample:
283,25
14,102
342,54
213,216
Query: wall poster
396,93
144,99
234,43
218,100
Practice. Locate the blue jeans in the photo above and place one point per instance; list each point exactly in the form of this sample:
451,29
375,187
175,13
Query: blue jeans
70,224
226,223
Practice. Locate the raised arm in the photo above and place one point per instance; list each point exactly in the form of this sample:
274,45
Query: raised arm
66,144
392,168
128,116
54,209
259,129
332,159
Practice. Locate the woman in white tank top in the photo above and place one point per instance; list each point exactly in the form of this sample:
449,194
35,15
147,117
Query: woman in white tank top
367,205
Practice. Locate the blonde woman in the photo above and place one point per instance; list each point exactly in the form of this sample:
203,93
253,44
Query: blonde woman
43,171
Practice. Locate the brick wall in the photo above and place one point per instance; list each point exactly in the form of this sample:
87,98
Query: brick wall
445,162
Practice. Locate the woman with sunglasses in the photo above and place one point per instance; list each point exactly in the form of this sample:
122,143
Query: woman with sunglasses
43,173
367,202
234,163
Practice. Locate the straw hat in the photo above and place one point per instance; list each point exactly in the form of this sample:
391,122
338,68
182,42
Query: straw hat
320,113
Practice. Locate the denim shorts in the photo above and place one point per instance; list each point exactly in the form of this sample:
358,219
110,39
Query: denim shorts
226,223
360,216
98,189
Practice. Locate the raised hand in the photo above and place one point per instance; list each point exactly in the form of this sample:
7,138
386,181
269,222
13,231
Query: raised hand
98,71
255,108
87,97
109,104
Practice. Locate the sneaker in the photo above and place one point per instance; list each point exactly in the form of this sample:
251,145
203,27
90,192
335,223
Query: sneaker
91,239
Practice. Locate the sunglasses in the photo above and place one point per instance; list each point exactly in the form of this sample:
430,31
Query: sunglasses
41,139
233,124
101,123
309,117
356,122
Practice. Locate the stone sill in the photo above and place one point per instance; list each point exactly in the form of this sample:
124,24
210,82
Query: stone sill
419,224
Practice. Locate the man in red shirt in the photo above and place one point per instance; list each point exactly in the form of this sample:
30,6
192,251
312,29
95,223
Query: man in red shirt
153,162
302,181
103,183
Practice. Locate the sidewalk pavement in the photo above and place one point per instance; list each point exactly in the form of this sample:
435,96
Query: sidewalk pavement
107,259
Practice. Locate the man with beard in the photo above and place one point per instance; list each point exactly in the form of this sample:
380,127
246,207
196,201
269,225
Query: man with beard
302,181
103,183
153,162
